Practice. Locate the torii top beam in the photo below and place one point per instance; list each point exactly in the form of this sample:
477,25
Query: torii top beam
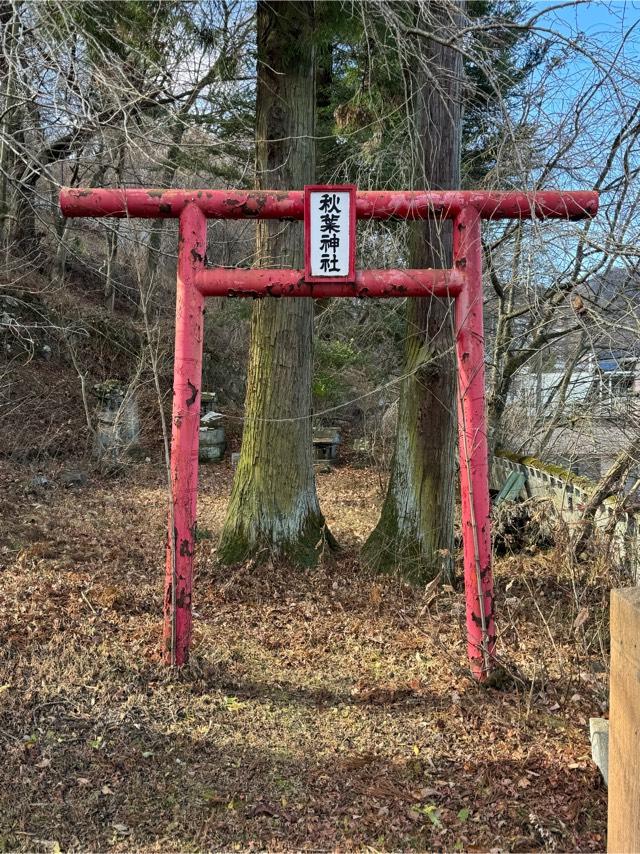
374,204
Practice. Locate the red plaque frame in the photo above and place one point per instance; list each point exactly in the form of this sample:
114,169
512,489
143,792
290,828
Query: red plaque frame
330,188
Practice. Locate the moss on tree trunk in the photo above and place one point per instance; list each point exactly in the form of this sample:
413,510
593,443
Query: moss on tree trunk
414,535
274,506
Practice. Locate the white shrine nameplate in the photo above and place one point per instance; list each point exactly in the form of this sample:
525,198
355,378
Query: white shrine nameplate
330,233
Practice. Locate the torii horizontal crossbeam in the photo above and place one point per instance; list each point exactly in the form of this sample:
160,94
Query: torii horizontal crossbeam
225,282
372,204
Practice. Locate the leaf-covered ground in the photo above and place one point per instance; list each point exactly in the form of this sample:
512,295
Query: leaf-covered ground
322,710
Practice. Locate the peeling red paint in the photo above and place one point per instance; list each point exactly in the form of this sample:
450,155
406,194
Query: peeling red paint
194,393
186,549
473,450
185,435
369,283
375,204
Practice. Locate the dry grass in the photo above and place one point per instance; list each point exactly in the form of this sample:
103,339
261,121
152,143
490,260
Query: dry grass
321,710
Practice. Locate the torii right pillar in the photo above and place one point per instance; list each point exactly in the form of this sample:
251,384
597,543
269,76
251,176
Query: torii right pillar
473,448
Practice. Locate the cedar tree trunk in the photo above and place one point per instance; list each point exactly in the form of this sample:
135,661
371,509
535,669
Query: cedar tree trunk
274,507
414,535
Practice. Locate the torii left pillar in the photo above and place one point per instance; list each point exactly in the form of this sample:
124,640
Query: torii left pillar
187,377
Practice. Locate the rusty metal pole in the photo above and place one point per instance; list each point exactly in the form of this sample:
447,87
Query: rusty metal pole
187,376
473,449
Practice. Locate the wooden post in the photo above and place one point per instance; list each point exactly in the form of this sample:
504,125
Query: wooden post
624,722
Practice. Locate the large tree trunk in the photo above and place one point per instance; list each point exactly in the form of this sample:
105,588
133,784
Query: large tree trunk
415,533
274,507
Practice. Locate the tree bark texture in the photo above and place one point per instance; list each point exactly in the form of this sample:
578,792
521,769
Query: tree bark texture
274,507
414,535
611,483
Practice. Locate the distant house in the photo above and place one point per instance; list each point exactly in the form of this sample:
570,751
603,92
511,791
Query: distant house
587,417
608,383
617,381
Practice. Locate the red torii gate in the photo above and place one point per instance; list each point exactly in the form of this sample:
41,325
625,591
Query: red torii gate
463,283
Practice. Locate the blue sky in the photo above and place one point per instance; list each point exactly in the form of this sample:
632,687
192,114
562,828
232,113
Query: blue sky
595,19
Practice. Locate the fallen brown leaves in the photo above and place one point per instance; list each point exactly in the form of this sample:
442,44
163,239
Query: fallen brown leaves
322,710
